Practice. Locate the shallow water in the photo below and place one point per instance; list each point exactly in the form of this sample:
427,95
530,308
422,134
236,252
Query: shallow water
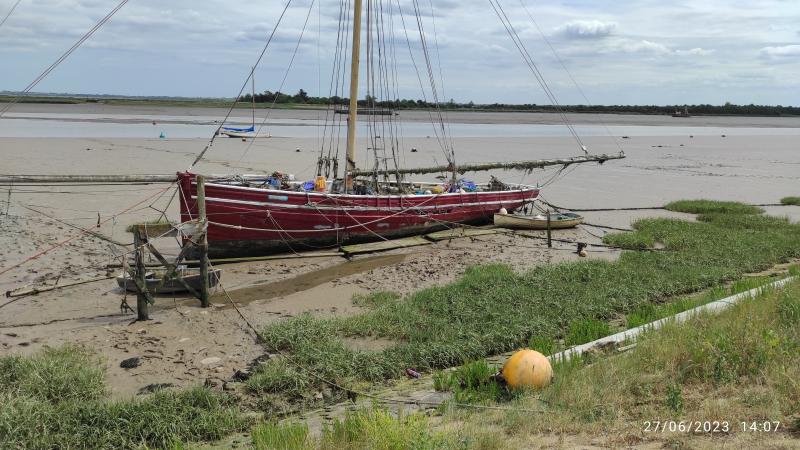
21,125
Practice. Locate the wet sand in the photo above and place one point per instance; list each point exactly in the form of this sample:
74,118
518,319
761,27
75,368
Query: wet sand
181,345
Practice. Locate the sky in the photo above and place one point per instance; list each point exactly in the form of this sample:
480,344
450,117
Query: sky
618,52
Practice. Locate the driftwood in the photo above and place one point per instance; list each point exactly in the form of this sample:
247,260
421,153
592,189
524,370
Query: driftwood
481,167
39,290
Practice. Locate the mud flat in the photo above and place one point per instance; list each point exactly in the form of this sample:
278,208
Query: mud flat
186,345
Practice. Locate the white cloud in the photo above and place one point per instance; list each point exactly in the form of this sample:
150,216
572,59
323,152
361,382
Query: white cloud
697,51
620,51
587,29
642,46
784,51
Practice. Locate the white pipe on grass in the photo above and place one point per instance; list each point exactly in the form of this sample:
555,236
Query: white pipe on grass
713,307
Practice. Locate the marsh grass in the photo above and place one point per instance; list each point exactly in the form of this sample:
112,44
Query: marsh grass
545,345
492,310
362,429
650,312
281,436
712,206
473,382
54,375
737,365
57,399
586,330
791,201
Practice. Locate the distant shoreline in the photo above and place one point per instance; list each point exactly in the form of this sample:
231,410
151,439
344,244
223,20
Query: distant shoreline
643,110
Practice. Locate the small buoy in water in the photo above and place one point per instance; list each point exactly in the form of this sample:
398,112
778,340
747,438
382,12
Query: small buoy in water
503,211
154,123
244,139
583,253
724,135
527,368
413,149
297,150
691,136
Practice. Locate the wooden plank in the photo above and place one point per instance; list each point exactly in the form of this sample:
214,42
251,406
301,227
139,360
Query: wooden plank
143,297
383,246
171,270
160,229
456,233
201,210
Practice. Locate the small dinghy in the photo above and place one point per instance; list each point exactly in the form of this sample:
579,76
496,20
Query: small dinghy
538,222
190,276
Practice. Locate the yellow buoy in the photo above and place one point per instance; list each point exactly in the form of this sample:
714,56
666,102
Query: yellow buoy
527,368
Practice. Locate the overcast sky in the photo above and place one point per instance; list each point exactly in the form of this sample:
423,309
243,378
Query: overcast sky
619,51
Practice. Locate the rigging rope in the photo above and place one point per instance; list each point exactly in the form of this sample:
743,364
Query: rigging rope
63,57
244,85
534,68
9,13
564,66
66,241
443,145
285,76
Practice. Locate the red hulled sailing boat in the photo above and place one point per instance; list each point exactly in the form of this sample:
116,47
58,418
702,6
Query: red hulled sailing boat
251,215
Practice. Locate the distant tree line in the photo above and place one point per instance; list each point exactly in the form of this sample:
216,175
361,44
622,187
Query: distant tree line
302,97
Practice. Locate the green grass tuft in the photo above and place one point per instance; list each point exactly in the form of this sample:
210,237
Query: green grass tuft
586,330
473,383
545,345
275,436
378,429
791,201
56,399
712,206
54,375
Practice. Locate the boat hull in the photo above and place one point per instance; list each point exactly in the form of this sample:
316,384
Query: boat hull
245,221
193,279
238,134
531,223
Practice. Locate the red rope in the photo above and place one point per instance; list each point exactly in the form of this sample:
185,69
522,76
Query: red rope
65,241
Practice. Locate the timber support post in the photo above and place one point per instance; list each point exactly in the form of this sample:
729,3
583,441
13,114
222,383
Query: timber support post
549,236
140,276
201,209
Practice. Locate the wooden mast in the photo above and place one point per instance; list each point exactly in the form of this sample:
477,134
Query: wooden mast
353,111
